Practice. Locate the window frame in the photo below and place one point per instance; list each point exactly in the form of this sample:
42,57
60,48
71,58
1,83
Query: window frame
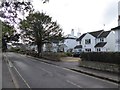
87,41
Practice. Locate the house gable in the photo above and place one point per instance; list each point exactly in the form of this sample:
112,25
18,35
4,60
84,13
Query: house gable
80,38
88,42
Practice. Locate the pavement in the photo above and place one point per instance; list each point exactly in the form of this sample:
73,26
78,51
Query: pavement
73,64
0,70
47,74
7,81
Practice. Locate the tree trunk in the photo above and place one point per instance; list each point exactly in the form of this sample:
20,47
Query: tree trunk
39,47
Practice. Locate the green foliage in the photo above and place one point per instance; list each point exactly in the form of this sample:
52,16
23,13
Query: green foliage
106,57
69,53
7,29
53,56
40,28
11,9
14,49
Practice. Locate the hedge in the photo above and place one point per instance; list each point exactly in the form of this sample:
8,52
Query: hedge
53,56
106,57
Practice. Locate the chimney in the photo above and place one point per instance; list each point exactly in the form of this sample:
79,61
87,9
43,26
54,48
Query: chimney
72,32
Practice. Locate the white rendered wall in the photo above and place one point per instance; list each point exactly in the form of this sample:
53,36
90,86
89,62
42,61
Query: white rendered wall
119,13
110,39
88,46
70,43
117,40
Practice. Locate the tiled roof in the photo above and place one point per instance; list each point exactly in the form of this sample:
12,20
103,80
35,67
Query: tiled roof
78,46
116,28
101,44
80,38
69,38
96,33
104,34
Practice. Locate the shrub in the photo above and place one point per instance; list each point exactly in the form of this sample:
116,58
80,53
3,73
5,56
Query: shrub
14,49
106,57
53,56
68,54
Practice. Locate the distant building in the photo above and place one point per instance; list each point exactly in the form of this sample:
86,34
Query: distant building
69,42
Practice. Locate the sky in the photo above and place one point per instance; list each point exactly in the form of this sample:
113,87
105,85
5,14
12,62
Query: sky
81,15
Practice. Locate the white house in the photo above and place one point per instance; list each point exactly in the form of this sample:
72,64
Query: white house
117,31
105,42
69,42
117,38
98,41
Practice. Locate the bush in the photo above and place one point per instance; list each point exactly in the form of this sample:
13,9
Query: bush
14,50
106,57
68,54
53,56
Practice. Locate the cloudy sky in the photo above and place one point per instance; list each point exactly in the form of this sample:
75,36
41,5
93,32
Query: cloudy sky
81,15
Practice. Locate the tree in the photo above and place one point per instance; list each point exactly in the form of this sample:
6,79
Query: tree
8,35
10,10
40,28
6,32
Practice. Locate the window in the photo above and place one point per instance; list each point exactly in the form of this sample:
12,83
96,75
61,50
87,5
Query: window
88,41
80,42
101,39
98,49
88,50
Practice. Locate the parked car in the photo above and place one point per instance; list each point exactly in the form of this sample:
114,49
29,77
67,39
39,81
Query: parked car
76,54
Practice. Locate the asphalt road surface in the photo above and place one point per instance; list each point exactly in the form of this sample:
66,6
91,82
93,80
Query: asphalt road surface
37,74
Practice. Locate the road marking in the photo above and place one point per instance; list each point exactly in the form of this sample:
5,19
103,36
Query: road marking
22,78
79,73
73,83
19,75
10,64
12,75
13,78
44,61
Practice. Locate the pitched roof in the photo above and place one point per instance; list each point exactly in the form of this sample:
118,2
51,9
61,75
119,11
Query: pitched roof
80,38
104,34
101,44
69,38
96,33
78,46
116,28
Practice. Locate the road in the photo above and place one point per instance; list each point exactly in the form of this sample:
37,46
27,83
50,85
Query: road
37,74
